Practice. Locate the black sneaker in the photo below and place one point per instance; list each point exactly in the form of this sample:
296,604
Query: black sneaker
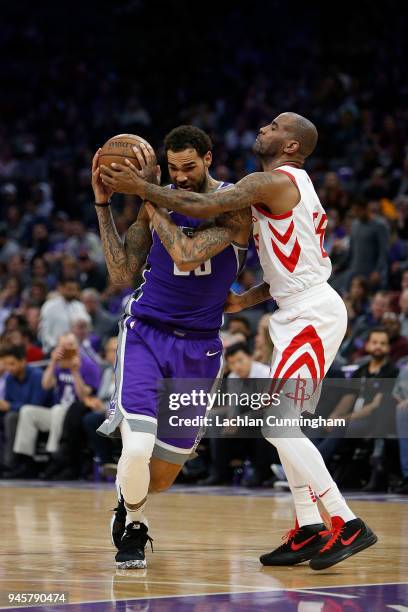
301,544
118,522
131,552
347,538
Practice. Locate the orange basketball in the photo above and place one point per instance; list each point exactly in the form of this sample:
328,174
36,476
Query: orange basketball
118,148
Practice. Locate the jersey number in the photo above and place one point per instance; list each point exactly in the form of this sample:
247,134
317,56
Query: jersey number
202,270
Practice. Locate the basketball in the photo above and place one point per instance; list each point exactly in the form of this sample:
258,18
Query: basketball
120,147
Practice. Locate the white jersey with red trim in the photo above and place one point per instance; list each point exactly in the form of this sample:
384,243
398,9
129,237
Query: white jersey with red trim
290,245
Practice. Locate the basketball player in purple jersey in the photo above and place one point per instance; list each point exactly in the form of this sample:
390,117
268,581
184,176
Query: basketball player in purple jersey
170,328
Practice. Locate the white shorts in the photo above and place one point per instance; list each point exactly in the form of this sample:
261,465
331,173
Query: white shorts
306,331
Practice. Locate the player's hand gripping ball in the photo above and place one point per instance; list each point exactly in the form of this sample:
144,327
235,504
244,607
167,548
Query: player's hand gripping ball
126,159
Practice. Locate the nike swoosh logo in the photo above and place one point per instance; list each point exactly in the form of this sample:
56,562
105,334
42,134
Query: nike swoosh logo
296,547
209,354
350,540
327,490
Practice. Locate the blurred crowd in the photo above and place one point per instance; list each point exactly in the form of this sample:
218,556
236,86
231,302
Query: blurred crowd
57,306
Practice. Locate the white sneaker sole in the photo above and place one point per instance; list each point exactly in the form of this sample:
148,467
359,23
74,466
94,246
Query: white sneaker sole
136,564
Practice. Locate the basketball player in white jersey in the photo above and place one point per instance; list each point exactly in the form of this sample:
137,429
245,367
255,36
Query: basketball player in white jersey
309,325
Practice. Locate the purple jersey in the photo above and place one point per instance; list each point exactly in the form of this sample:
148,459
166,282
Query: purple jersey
188,300
65,388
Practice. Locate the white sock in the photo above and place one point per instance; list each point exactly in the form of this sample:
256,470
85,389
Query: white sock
136,515
305,459
335,504
307,512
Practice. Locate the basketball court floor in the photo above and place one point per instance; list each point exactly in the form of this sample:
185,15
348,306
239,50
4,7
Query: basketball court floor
54,539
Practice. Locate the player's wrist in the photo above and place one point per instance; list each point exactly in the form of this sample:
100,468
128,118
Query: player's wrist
102,204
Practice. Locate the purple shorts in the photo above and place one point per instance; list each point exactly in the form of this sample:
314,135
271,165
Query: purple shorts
147,355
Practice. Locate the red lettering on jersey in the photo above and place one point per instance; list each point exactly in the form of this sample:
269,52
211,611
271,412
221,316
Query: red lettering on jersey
289,261
320,229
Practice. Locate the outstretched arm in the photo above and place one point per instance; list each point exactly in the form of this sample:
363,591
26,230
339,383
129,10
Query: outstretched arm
188,252
256,187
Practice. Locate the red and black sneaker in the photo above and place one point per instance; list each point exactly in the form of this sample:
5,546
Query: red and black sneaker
347,538
300,544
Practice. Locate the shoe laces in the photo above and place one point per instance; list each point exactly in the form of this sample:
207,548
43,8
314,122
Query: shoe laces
138,533
335,532
292,533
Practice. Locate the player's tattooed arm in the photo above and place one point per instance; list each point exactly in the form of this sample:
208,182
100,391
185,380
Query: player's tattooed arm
255,295
254,188
124,259
188,252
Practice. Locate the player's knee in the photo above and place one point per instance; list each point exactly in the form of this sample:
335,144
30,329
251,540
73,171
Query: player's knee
135,454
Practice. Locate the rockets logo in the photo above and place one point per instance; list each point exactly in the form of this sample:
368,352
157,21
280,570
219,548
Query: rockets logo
305,352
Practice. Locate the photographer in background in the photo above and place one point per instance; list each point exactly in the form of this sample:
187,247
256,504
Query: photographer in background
72,378
75,377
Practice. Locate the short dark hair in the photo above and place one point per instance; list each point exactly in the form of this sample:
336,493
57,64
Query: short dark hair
10,350
236,348
378,330
188,137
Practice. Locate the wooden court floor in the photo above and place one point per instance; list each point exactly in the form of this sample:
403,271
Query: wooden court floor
56,539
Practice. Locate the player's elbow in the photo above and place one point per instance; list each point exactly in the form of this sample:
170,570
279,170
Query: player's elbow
186,266
184,263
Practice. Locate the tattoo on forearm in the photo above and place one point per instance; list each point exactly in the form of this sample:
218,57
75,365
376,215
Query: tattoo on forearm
123,260
199,205
204,244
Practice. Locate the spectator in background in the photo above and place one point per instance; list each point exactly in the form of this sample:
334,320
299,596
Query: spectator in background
368,254
72,378
379,305
10,297
32,314
263,343
23,391
81,328
222,450
82,240
238,331
23,337
403,304
91,274
8,247
364,408
398,343
104,324
98,408
356,299
69,268
58,313
40,272
75,379
400,394
332,193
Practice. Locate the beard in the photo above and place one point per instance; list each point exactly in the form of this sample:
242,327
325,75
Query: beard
263,152
378,354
